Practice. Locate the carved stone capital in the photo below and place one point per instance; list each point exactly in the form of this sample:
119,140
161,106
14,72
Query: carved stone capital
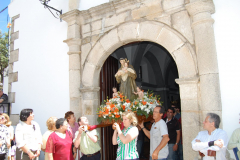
71,17
200,6
192,80
73,41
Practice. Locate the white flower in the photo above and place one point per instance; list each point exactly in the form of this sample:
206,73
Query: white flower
120,112
104,116
147,110
113,116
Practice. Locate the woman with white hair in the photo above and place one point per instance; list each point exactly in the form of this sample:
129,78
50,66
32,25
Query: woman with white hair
127,138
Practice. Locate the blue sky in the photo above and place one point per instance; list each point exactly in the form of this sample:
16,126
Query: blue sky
4,15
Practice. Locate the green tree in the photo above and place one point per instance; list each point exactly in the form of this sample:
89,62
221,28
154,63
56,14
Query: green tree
3,52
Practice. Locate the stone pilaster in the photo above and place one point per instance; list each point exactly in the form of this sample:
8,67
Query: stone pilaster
74,43
190,115
90,98
73,4
202,24
13,76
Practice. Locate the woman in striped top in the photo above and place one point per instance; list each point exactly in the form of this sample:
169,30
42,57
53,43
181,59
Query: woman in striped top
127,138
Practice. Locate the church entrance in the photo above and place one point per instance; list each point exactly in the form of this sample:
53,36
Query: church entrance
156,71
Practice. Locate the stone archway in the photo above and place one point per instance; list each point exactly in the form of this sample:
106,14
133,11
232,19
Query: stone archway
179,48
184,28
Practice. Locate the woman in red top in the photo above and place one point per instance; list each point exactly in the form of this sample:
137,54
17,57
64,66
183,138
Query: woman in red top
59,143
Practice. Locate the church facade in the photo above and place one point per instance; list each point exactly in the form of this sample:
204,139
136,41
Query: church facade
183,27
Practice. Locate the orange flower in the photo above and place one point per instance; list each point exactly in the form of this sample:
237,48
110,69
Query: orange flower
116,109
151,102
158,101
99,115
106,111
112,105
123,107
136,102
144,103
142,90
117,116
127,100
121,96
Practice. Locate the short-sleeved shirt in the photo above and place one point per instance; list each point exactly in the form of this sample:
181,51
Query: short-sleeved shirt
28,135
156,134
87,146
4,136
173,126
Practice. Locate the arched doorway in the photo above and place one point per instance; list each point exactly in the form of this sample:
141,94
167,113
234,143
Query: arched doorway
156,71
178,47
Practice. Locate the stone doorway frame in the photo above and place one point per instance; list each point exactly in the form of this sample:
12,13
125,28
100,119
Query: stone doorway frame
196,60
179,48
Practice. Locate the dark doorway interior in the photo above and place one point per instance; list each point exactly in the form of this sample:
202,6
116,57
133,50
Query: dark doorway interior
156,70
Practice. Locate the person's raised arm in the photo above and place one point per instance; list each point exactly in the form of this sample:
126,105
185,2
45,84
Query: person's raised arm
92,135
77,139
114,137
146,132
131,135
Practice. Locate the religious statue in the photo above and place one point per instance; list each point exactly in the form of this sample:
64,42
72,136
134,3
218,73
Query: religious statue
126,75
115,92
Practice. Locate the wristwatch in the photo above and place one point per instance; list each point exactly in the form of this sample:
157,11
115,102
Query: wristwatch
176,143
86,131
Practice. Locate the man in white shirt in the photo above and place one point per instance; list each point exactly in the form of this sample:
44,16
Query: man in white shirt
158,135
211,143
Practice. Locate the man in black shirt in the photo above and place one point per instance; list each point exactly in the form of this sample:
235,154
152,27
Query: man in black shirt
3,97
173,132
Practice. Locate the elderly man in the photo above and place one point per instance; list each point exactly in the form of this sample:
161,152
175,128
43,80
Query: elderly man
158,135
3,97
211,143
88,141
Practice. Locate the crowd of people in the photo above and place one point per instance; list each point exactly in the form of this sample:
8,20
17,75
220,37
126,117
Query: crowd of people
67,139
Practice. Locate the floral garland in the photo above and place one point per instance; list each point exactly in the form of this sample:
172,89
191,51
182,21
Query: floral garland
112,109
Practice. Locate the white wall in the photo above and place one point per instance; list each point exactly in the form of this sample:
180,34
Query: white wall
227,33
86,4
43,75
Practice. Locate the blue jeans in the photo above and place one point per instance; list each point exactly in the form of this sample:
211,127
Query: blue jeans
150,158
179,153
171,155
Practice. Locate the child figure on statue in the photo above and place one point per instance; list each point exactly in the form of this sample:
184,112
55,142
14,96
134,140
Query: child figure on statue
139,93
115,93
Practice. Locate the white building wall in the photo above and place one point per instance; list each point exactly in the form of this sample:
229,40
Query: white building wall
43,82
227,34
86,4
43,75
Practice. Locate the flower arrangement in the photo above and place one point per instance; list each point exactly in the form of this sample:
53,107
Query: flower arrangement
111,109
